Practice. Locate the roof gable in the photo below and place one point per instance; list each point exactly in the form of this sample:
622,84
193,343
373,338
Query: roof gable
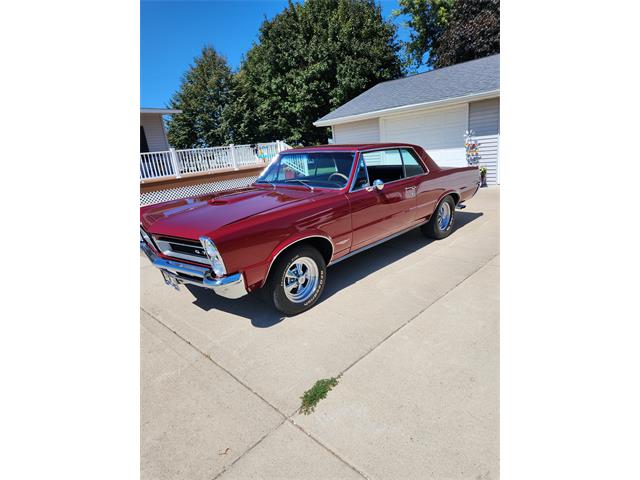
464,79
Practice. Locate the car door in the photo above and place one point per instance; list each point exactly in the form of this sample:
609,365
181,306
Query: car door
428,190
378,213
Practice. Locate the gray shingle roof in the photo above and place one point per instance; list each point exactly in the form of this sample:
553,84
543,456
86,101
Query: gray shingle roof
468,78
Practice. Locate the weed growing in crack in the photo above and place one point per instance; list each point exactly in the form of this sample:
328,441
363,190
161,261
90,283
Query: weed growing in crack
316,393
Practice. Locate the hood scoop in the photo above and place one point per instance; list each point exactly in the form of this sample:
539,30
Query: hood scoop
234,197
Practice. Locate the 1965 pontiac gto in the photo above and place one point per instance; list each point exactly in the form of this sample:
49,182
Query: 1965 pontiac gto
310,208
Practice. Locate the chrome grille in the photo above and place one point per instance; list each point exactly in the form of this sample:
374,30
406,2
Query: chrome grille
181,248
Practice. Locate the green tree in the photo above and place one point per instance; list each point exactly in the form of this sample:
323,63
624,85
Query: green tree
203,96
311,58
427,20
447,32
473,31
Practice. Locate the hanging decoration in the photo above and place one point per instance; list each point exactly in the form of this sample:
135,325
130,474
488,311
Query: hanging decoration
471,148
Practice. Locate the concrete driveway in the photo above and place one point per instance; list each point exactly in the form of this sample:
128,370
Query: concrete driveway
411,325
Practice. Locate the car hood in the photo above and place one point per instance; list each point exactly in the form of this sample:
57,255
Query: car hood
203,215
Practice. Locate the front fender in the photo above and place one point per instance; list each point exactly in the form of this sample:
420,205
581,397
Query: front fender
292,240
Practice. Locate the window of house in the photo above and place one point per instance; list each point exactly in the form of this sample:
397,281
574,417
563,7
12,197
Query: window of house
144,146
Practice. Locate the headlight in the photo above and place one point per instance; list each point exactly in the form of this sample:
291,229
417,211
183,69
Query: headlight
214,256
145,237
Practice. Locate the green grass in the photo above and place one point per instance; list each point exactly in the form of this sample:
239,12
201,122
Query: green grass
316,393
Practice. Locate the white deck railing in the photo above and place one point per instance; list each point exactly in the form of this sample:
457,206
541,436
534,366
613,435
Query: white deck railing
298,163
175,163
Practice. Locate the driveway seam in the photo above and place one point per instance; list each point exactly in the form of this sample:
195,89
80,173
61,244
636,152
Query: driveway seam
417,315
362,474
285,417
225,468
289,418
206,355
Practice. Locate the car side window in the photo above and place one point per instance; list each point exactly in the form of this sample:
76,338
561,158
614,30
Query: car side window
385,165
412,166
361,180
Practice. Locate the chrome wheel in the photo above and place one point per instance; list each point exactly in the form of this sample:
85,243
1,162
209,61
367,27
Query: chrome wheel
301,279
444,216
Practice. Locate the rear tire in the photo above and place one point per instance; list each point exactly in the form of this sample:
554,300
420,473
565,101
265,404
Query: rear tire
296,280
440,225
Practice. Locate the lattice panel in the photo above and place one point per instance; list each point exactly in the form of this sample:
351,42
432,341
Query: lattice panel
149,198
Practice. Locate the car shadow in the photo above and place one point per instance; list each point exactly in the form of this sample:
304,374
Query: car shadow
262,315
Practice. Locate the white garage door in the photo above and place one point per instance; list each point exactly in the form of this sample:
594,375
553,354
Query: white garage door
440,132
364,131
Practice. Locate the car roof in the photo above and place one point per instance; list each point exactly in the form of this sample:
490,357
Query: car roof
350,147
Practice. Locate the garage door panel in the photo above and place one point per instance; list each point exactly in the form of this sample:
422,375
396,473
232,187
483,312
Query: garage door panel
365,131
440,132
449,157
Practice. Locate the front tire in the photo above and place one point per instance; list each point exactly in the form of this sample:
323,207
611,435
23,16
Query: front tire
440,225
297,280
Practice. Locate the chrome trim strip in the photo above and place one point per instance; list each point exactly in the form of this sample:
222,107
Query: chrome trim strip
355,176
202,240
230,286
377,242
146,237
333,249
406,147
164,246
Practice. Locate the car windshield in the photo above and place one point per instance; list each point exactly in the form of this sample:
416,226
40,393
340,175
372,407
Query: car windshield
313,169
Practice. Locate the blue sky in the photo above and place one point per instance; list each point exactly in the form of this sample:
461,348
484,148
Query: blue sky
172,33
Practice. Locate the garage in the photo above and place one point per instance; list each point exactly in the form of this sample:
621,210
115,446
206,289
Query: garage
439,131
357,132
434,109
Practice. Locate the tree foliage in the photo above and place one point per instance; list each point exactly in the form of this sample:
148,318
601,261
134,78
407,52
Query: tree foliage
427,20
203,97
310,59
472,31
450,31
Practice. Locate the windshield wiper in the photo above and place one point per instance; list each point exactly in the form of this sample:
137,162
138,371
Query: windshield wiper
301,181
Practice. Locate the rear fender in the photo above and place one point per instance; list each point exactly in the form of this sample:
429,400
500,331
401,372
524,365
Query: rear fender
455,194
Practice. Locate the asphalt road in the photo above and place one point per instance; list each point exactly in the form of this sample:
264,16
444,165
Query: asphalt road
411,325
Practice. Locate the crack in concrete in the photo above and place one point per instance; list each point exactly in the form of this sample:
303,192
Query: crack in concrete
417,315
352,467
206,355
289,418
285,417
227,467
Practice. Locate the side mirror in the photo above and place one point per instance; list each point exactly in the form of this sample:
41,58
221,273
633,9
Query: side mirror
379,184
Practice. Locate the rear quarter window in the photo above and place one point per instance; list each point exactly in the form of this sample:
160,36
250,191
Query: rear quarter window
412,165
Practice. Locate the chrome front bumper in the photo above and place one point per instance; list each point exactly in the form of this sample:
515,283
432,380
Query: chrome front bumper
231,286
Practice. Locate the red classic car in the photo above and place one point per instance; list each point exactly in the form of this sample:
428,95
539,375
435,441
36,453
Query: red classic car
310,208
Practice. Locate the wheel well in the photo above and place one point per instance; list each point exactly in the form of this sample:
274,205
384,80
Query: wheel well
455,196
322,244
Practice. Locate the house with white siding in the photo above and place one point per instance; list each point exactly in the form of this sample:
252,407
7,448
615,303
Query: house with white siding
153,137
434,110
